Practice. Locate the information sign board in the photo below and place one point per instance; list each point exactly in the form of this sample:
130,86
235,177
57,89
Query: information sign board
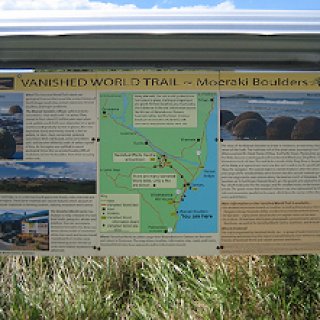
159,163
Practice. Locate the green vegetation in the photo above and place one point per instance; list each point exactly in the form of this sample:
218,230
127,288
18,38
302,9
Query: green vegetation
284,287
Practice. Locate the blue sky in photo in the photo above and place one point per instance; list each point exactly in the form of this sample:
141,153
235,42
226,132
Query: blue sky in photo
19,211
164,4
79,170
10,99
239,4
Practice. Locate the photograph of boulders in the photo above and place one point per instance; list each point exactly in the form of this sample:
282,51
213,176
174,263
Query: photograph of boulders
11,126
270,116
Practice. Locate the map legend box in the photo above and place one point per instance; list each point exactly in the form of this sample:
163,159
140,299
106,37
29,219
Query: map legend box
120,213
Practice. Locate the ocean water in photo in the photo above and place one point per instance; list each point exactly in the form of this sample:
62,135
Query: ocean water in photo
18,156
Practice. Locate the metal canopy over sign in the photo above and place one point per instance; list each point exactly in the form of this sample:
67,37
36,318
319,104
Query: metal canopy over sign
245,39
61,22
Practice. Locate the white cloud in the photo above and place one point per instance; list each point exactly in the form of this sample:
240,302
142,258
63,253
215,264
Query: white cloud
54,171
76,170
223,6
59,5
226,6
85,170
28,167
16,166
98,5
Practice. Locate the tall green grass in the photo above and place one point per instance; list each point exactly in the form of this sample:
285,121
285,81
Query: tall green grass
284,287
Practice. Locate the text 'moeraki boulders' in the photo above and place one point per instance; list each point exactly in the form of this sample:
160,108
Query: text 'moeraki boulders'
7,144
280,128
307,129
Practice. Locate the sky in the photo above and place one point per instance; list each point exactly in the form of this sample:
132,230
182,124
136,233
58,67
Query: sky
10,99
18,211
222,5
84,170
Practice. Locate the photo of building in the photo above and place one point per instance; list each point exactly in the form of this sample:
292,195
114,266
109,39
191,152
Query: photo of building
24,230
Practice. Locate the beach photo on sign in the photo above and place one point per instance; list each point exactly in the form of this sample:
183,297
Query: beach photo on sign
48,177
270,116
11,126
24,230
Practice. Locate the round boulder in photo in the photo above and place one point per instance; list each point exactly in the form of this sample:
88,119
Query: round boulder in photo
225,117
280,128
307,129
250,128
229,125
15,109
248,115
7,144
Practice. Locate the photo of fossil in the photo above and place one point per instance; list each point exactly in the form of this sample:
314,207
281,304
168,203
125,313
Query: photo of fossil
270,116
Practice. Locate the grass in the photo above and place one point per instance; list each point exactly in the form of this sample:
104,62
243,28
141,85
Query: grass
251,287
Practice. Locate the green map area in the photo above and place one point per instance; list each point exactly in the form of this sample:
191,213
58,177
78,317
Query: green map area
152,148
